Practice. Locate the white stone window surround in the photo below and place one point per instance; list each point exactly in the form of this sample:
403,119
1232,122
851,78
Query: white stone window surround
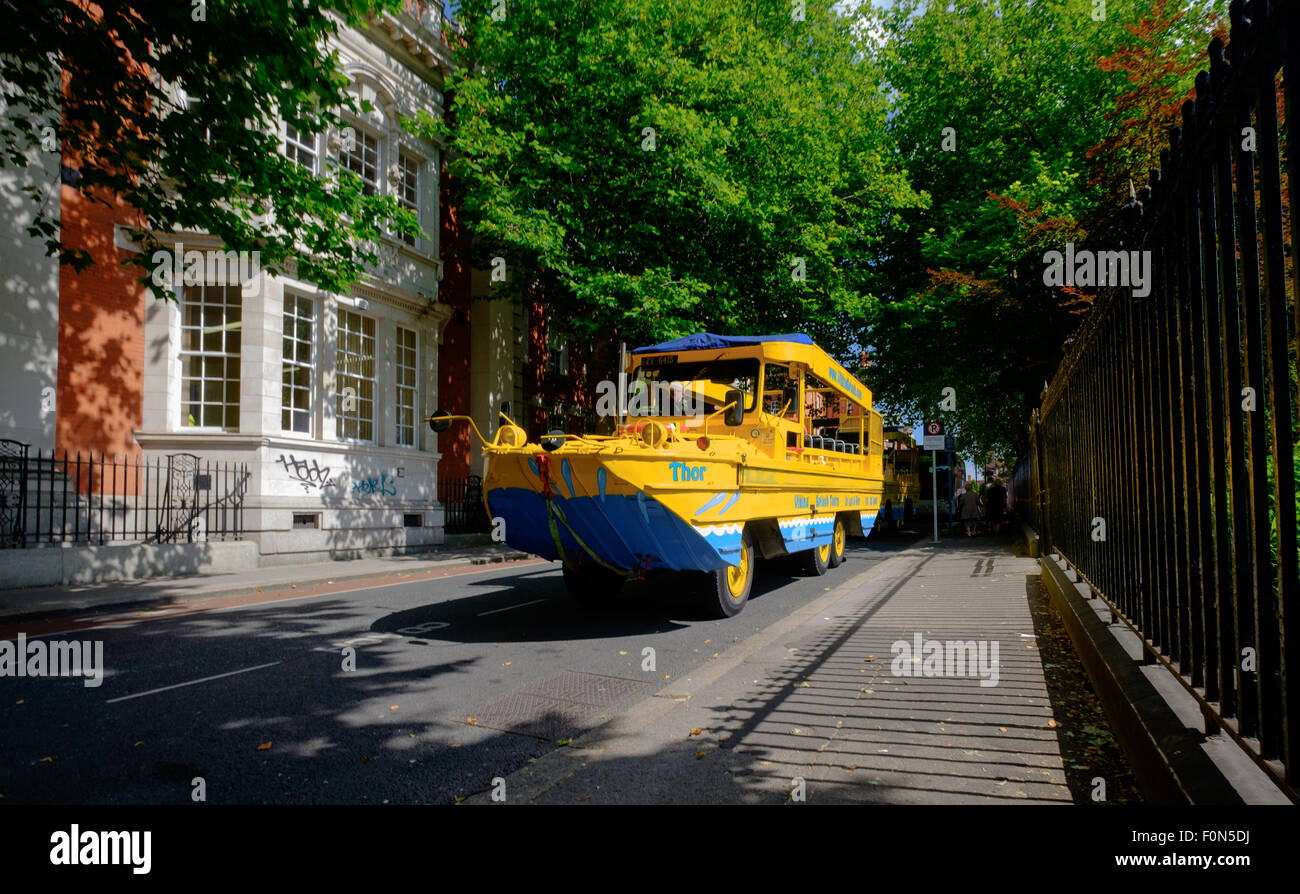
261,362
162,397
394,98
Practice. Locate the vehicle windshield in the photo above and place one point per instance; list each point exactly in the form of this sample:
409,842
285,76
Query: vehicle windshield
705,380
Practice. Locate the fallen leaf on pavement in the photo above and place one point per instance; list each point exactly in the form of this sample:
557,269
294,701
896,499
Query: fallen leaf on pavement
265,746
696,731
563,741
700,754
392,707
506,663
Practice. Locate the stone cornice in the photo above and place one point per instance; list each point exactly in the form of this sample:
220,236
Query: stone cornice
415,38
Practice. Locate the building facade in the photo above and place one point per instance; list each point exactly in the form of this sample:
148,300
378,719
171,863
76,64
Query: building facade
320,396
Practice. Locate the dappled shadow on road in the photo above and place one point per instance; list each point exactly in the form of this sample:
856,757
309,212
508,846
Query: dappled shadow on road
661,602
313,701
830,719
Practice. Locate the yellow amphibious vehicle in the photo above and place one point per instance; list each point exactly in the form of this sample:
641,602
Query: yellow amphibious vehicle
722,455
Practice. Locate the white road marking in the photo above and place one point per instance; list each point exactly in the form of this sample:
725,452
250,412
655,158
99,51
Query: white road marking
509,607
190,683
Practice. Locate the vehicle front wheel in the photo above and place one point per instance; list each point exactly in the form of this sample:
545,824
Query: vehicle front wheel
728,588
592,586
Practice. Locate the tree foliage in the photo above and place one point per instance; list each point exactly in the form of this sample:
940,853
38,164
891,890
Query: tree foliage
662,167
1052,111
174,107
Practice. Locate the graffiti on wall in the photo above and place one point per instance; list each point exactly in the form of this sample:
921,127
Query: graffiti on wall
309,474
384,485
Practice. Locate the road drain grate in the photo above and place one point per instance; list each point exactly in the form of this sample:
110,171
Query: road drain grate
558,705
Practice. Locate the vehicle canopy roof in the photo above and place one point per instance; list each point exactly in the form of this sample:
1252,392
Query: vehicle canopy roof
784,348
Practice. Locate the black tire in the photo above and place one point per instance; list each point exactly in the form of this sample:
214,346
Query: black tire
727,590
817,560
838,538
593,587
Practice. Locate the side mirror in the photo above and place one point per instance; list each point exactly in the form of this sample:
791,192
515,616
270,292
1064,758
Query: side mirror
735,414
440,421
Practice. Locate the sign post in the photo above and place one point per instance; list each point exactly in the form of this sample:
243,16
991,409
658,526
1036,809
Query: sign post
934,442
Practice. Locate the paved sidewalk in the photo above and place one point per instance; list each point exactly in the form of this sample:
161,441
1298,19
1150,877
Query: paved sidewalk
38,602
817,698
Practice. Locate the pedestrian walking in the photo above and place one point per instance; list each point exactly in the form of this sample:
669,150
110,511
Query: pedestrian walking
995,504
970,509
954,504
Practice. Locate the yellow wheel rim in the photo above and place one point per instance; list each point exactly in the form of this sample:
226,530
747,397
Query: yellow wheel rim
737,574
824,552
839,537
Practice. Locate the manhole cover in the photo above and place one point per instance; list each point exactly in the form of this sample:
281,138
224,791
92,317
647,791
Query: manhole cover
557,705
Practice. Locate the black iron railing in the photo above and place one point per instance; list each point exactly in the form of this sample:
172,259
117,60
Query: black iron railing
1163,462
93,500
462,501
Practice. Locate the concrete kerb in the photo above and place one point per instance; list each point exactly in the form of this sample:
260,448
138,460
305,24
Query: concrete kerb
528,783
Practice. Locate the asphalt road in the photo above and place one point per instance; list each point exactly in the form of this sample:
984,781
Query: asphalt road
456,681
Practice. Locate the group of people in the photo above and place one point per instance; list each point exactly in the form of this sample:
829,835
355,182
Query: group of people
971,505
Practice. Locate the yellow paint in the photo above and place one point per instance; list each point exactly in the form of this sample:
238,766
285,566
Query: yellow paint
770,476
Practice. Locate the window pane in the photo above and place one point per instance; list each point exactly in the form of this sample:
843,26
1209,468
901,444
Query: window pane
297,351
356,375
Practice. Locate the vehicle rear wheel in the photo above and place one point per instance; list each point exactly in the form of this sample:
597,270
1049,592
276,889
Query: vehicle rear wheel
885,518
728,588
817,560
592,586
837,544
